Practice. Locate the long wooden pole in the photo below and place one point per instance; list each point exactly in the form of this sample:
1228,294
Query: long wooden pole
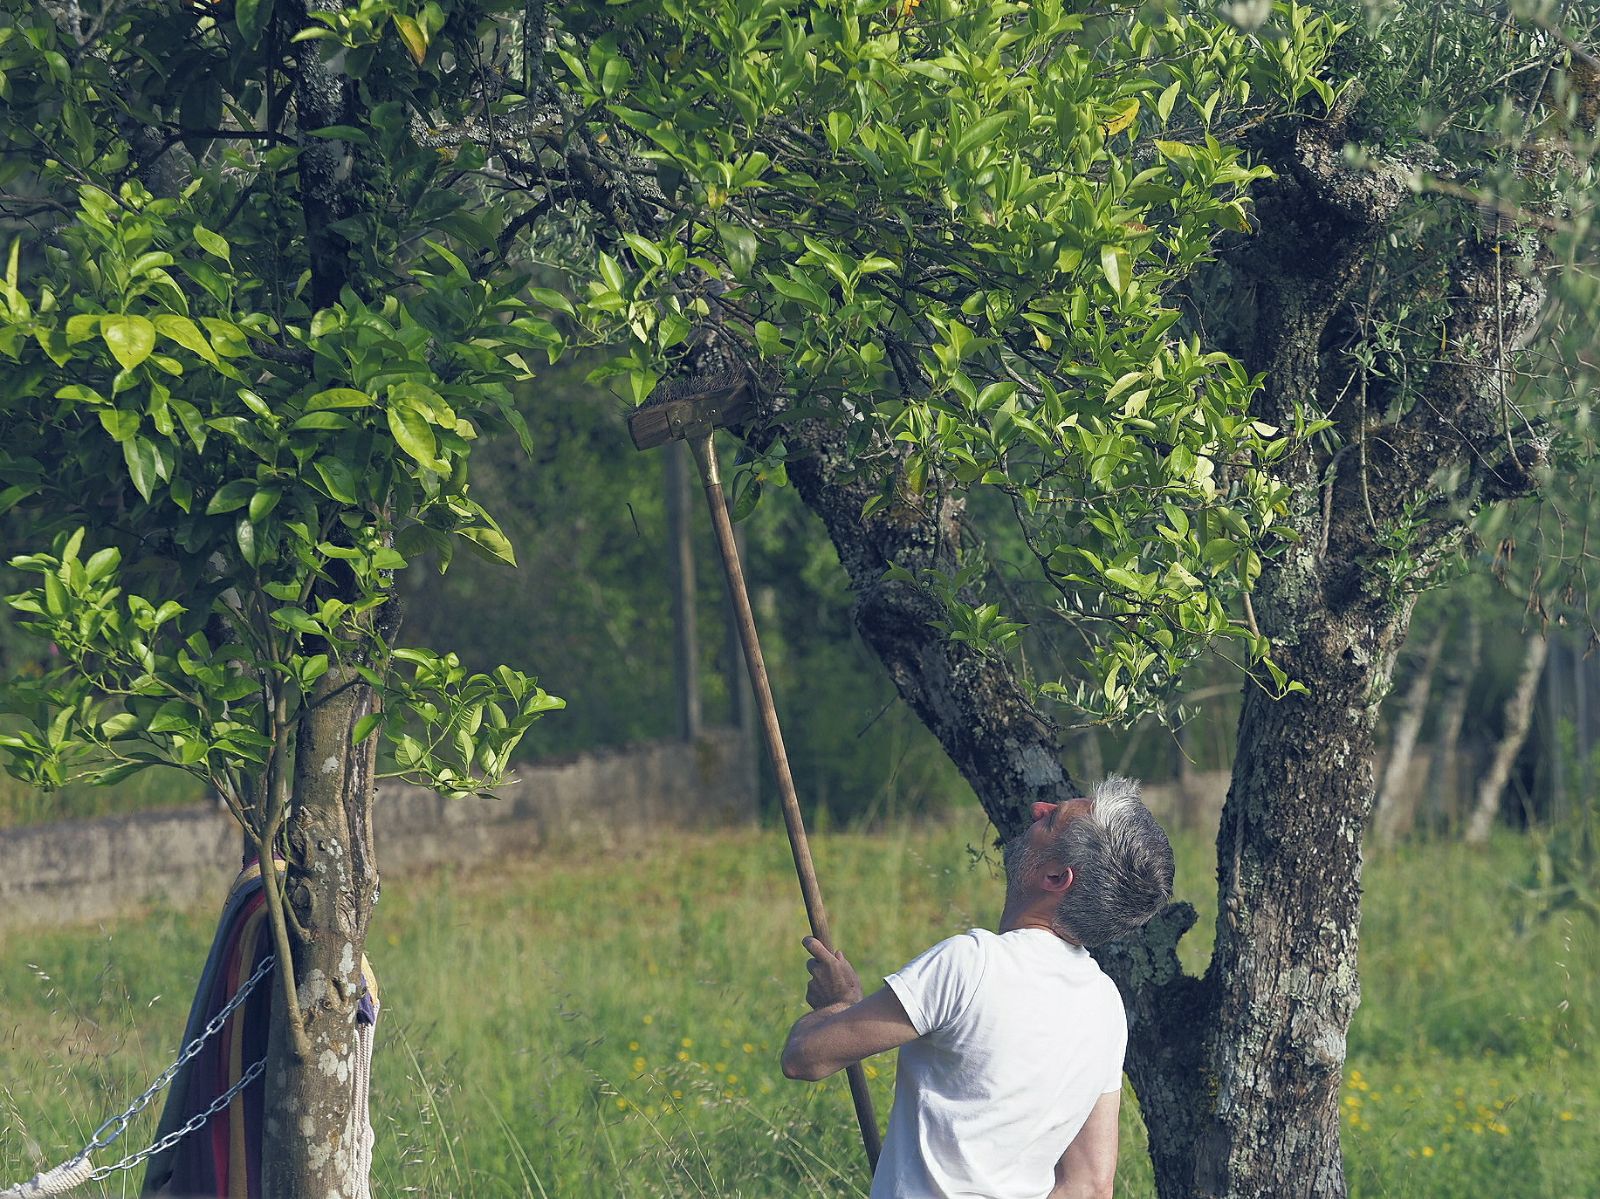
705,458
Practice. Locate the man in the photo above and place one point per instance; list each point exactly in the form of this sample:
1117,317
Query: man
1010,1075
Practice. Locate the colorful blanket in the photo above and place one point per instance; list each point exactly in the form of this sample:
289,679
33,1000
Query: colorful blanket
222,1158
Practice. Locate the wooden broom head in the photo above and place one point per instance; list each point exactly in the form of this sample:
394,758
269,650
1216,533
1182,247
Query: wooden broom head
687,406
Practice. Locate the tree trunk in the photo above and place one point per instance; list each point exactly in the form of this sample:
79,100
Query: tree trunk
1443,804
315,1132
1518,718
1397,800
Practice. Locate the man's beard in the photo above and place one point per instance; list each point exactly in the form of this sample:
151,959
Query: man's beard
1021,861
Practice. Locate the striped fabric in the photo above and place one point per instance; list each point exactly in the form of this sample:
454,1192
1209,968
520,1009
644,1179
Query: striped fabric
222,1159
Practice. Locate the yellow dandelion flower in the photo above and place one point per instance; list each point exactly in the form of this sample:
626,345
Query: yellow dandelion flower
687,1042
638,1065
634,1046
1568,1116
649,1019
1427,1151
732,1078
747,1047
720,1067
622,1104
872,1071
683,1055
677,1094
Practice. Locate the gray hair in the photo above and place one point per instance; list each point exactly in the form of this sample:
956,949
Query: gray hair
1121,866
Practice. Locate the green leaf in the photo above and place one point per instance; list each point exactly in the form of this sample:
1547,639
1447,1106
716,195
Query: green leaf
416,41
263,502
611,272
251,16
982,131
120,424
365,727
338,478
413,434
739,245
646,249
140,455
251,543
1119,270
231,496
552,299
490,543
129,338
338,397
186,333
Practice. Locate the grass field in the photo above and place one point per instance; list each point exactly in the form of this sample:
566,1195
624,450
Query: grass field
609,1025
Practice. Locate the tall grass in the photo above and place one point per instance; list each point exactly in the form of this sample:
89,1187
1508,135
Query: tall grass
609,1024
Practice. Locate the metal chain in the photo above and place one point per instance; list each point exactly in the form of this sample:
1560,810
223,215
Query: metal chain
119,1124
177,1134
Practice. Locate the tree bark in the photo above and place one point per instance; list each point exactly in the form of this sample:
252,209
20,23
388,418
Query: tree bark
314,1114
1397,800
1518,719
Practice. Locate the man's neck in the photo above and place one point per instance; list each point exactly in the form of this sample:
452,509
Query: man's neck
1033,911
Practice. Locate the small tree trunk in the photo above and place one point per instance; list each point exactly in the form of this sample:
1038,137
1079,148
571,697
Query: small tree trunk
1444,763
315,1135
1397,801
1518,718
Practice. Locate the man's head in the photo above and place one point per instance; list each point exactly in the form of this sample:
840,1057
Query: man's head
1104,859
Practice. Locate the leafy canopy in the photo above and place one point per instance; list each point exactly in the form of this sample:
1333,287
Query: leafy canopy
955,227
221,479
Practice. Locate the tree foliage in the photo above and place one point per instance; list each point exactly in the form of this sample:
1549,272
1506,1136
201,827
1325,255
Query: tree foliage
957,226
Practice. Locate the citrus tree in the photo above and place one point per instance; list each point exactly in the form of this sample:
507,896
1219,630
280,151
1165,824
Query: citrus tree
246,360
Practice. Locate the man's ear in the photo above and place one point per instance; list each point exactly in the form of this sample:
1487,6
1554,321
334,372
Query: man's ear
1057,880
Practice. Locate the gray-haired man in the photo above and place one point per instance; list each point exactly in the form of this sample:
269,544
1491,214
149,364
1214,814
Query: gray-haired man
1011,1043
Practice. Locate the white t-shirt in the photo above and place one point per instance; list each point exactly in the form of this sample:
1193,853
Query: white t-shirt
1019,1035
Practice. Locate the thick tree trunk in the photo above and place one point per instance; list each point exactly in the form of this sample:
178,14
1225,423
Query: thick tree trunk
1397,799
315,1115
1518,719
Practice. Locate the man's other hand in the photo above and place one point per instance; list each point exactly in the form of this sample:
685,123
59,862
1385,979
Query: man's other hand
833,979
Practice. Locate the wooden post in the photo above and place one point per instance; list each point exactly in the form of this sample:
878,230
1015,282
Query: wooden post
680,561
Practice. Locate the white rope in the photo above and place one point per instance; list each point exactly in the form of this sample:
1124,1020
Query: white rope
363,1122
65,1177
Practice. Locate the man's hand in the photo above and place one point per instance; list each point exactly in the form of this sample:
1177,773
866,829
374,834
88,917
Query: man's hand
833,979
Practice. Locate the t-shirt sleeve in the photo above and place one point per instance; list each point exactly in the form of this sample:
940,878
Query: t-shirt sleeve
1118,1040
936,986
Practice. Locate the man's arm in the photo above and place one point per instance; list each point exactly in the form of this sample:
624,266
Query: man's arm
844,1028
1088,1169
827,1040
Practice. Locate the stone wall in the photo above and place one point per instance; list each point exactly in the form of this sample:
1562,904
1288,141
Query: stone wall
93,869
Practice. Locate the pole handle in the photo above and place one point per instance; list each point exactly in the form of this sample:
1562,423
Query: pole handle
772,734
